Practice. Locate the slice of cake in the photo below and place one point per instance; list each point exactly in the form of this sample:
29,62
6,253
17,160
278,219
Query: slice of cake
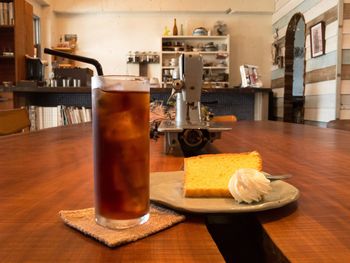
208,175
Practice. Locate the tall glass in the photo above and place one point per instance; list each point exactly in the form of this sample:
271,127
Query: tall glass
120,108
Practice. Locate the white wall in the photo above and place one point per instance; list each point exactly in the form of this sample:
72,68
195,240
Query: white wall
37,8
107,30
108,37
84,6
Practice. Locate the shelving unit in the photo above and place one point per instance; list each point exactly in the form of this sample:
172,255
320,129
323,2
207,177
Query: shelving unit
215,57
16,38
59,62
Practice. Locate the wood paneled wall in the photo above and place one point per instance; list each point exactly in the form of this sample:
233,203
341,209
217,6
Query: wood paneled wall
320,75
345,67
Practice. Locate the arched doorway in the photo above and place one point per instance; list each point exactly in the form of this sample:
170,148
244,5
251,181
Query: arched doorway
294,76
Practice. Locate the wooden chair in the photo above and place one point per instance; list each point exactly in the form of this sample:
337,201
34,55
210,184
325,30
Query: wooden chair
13,121
224,118
339,124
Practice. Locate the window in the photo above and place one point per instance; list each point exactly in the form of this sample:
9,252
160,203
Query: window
36,31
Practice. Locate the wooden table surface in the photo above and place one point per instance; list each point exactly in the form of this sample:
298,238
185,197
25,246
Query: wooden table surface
50,170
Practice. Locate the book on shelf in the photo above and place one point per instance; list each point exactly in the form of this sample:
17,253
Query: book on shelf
47,117
11,14
7,17
2,13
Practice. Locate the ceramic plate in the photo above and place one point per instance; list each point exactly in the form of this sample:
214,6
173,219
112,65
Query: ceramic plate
167,189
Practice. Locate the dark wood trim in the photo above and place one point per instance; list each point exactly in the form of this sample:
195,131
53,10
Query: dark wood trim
345,72
346,11
292,111
319,75
277,83
328,17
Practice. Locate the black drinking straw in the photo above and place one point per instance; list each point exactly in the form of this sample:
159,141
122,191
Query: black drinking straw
76,58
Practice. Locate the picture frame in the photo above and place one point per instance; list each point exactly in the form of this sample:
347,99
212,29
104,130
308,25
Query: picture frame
317,39
71,39
250,76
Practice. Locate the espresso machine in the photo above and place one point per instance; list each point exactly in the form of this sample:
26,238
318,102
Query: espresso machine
189,132
34,69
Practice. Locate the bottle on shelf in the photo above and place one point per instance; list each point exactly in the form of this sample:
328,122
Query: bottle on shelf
175,28
166,31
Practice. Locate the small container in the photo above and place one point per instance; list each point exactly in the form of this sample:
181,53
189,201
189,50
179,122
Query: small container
150,57
7,84
137,57
76,83
173,62
65,82
175,74
222,47
130,57
53,83
155,57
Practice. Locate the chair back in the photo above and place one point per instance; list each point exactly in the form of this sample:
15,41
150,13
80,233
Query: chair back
13,121
339,124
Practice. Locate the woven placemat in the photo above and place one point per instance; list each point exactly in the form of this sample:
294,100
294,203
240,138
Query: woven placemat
84,221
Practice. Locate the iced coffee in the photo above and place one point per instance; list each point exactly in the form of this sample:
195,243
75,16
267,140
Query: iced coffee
120,107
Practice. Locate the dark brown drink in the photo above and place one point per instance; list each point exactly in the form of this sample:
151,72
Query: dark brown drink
121,156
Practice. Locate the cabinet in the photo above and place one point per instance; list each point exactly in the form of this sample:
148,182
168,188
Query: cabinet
16,39
245,103
215,51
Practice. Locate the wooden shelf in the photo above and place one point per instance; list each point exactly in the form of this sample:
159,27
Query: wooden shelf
143,62
48,89
213,82
200,52
195,37
218,59
66,49
19,39
63,62
7,57
214,67
7,27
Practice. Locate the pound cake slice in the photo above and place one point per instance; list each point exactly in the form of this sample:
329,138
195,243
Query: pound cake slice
208,175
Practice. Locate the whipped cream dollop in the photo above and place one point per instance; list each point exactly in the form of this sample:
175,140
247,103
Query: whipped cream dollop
248,185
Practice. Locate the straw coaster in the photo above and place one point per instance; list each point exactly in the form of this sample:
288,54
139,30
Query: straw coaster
84,221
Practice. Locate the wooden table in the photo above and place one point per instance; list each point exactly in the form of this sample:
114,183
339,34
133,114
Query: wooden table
317,227
50,170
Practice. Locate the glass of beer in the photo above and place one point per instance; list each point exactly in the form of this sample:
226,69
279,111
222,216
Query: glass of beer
120,108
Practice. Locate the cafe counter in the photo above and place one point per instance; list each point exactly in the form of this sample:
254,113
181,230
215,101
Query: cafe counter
244,103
